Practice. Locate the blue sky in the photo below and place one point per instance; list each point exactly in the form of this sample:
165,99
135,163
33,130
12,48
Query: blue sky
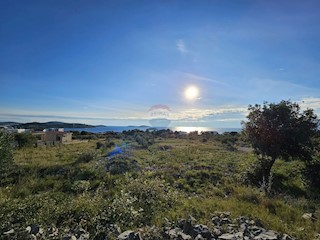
108,62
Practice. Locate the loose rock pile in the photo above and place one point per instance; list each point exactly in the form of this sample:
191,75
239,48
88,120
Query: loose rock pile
129,235
35,232
223,228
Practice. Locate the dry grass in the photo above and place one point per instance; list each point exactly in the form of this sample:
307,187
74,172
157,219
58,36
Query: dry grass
207,176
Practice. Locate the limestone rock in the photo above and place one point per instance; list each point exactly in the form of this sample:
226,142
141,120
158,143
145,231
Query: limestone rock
11,231
202,230
198,237
268,235
127,235
309,216
69,237
287,237
183,236
33,229
228,236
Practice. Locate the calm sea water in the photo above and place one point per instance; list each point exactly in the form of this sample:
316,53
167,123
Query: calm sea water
143,128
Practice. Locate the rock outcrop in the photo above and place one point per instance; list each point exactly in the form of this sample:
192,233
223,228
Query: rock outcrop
221,227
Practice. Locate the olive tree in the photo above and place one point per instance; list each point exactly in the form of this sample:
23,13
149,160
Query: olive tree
280,130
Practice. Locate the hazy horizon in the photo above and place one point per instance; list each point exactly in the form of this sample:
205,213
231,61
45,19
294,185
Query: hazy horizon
108,63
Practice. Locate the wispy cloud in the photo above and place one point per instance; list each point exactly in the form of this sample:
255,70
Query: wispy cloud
266,89
280,85
34,115
195,77
181,46
200,113
224,113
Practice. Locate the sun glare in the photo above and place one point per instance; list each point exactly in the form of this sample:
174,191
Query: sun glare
191,93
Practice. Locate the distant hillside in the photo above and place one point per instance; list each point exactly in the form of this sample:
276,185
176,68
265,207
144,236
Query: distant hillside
9,123
41,126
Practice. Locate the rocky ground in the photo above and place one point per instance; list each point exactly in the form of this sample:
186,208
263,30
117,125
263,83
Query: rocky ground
222,227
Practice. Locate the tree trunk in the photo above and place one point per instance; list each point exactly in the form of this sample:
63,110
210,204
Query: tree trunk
267,164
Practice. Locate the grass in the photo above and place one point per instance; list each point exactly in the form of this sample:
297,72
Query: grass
173,178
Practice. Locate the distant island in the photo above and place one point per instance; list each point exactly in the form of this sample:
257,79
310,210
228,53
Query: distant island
141,126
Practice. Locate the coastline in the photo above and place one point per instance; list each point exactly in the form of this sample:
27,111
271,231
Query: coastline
144,128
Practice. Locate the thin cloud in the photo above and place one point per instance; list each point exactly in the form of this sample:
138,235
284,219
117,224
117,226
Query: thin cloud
271,85
202,78
276,90
192,114
224,113
49,115
181,46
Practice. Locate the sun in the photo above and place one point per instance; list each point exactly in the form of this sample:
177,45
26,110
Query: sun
191,93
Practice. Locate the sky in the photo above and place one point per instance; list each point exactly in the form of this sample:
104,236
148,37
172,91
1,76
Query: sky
109,62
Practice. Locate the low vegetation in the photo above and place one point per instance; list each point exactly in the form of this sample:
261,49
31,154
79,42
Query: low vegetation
156,178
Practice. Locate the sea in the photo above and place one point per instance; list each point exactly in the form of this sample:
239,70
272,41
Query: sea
144,128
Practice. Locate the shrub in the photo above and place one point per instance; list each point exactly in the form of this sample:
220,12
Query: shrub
312,172
8,170
123,210
143,140
255,173
121,165
80,186
110,144
86,157
25,139
85,174
99,145
6,143
151,196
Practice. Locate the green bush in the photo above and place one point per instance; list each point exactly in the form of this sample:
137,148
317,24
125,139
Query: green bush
110,144
85,174
6,147
254,175
120,165
312,172
99,145
151,196
123,210
143,140
9,171
25,140
80,186
86,157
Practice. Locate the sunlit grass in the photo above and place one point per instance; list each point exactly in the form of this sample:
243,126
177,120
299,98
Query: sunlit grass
206,176
51,155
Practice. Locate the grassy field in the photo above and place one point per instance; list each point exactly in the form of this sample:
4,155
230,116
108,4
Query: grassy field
154,178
